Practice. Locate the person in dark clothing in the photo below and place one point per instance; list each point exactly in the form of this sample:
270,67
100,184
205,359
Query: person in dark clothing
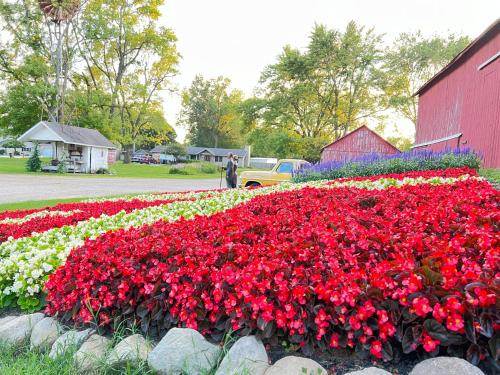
230,171
235,167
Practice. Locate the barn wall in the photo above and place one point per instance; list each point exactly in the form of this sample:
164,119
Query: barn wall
467,101
356,144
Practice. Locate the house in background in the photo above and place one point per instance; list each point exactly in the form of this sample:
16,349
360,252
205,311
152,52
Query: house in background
160,155
360,142
460,106
219,155
82,150
25,151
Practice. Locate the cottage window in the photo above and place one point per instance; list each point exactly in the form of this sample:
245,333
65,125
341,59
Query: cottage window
218,159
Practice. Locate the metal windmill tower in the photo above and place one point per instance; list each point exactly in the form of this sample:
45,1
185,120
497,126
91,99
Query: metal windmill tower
58,16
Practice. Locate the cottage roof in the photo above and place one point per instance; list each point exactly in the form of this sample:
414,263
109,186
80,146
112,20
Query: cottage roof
192,150
490,32
141,152
161,149
355,131
69,134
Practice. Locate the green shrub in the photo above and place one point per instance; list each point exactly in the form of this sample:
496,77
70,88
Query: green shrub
102,171
208,168
34,164
175,170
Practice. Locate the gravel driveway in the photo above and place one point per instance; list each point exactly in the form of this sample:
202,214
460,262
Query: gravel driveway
17,188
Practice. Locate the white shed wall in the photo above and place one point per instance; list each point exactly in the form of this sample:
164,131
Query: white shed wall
98,158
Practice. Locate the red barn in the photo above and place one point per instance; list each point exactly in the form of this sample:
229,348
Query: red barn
460,106
359,142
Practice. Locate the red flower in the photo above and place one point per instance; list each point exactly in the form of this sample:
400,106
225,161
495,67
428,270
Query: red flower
455,323
376,349
337,265
429,343
421,306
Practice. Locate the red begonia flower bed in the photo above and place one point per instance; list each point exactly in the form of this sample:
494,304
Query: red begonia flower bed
377,270
452,172
85,212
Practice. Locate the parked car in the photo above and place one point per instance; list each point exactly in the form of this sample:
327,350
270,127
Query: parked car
281,172
143,159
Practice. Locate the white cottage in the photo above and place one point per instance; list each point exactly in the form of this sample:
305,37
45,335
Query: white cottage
83,150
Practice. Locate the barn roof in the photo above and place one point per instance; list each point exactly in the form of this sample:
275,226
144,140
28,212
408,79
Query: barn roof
490,32
355,131
70,135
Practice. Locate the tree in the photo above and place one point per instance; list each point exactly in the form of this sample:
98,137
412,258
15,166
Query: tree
411,62
129,56
327,90
211,113
176,149
324,92
34,164
115,61
13,143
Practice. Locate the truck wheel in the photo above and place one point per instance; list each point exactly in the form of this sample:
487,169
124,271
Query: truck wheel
252,184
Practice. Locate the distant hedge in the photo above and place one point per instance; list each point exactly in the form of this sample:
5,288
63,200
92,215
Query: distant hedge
375,164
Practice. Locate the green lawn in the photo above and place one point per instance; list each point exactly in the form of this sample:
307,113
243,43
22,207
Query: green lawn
35,204
22,361
491,174
119,169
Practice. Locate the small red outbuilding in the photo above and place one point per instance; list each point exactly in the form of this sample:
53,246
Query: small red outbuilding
460,106
360,142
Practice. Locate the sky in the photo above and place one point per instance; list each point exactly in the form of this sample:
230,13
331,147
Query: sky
237,39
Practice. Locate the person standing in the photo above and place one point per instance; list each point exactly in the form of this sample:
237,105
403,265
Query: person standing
235,167
230,170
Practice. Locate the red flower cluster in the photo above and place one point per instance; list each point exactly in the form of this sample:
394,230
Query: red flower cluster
416,266
85,212
452,172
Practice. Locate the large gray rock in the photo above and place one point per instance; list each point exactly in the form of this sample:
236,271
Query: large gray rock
133,349
44,334
92,353
15,331
183,351
6,319
295,366
247,355
369,371
445,366
70,340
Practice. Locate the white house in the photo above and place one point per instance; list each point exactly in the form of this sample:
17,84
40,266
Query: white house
82,150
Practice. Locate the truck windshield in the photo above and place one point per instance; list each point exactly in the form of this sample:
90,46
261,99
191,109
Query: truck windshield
285,168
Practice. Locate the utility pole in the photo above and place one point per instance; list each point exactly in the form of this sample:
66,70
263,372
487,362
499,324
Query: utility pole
58,16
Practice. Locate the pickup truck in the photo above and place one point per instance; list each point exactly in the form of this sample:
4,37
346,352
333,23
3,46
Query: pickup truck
281,172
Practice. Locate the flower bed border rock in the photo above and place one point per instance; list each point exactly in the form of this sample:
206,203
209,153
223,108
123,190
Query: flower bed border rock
246,356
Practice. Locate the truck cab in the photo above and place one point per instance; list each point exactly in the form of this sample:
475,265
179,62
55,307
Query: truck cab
281,172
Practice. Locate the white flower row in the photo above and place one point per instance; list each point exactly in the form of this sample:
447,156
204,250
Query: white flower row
156,196
25,263
384,183
39,214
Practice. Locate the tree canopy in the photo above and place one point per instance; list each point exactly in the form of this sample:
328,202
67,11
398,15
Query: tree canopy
211,112
411,62
117,59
